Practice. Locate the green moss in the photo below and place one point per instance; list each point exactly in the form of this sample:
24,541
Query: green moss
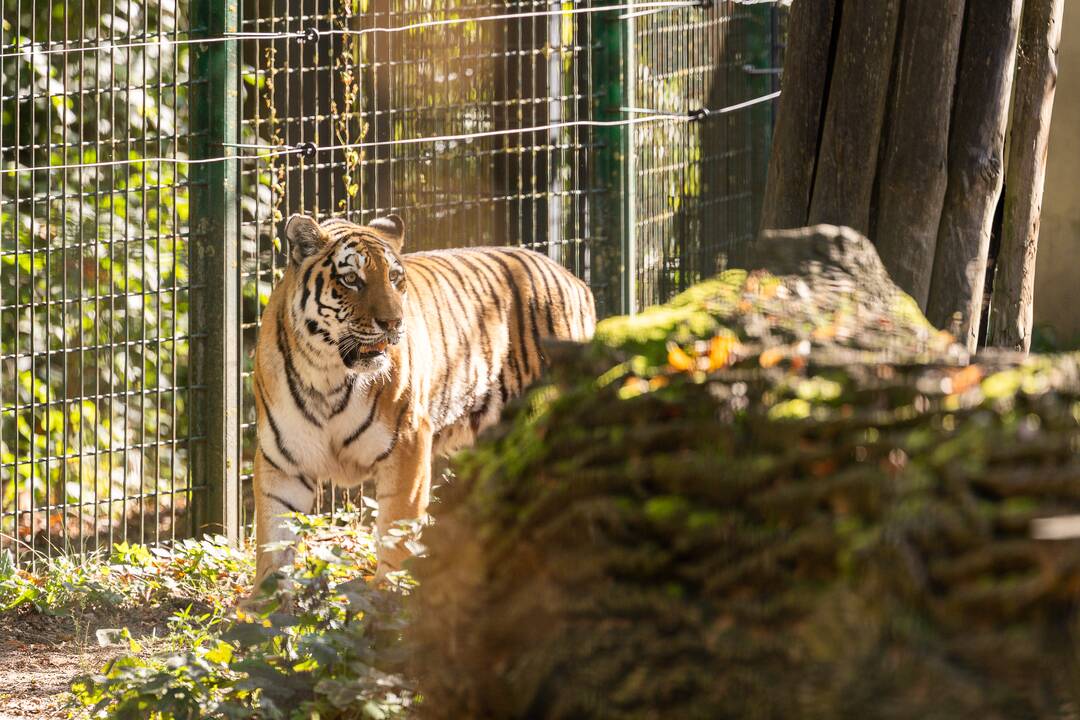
691,314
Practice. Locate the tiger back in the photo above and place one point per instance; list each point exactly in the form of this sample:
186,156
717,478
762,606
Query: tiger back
371,362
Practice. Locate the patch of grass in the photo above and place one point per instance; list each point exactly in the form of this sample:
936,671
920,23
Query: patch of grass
207,571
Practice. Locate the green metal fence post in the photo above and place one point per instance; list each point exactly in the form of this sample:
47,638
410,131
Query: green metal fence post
612,68
214,254
629,172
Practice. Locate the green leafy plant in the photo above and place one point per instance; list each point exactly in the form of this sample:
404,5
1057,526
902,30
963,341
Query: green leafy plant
324,642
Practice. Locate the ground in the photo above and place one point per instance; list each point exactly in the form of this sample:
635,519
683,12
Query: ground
42,653
158,628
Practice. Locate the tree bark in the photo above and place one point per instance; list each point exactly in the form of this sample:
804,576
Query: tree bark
976,151
912,185
807,64
848,159
1012,303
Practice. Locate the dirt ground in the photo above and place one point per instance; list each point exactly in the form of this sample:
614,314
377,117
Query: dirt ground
41,654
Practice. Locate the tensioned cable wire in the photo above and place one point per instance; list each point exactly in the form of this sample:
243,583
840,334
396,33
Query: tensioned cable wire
164,41
309,149
271,152
313,34
692,116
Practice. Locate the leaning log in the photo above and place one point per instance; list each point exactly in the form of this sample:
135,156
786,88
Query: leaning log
782,495
1012,304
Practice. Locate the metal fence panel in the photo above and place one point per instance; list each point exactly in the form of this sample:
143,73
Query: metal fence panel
131,290
95,384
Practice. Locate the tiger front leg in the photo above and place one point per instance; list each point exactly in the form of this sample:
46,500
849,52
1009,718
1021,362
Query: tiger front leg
276,494
402,489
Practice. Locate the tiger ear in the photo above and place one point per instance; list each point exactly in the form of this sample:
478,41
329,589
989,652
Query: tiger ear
305,237
392,228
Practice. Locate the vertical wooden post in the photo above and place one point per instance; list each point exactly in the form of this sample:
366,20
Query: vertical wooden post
807,67
1012,303
214,257
912,184
855,115
976,166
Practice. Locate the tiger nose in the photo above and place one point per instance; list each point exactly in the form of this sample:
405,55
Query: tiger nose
388,324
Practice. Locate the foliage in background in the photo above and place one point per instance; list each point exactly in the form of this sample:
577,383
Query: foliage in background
336,653
94,261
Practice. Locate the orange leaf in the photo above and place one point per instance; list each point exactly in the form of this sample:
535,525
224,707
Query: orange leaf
720,351
966,379
771,357
678,359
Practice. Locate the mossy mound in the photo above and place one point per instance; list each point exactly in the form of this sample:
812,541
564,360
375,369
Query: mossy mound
794,510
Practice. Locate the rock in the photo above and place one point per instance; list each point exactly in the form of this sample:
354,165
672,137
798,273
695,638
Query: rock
782,495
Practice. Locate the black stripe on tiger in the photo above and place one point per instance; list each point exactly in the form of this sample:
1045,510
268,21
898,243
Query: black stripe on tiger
541,270
367,422
519,309
442,332
394,440
270,460
469,282
471,373
512,368
344,401
282,501
306,482
274,428
292,378
483,270
534,306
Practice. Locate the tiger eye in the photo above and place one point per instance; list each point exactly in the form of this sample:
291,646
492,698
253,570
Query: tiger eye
350,279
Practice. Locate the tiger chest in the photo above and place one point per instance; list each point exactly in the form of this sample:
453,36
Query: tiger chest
356,444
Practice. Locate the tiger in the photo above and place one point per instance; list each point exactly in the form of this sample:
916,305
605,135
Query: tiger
370,363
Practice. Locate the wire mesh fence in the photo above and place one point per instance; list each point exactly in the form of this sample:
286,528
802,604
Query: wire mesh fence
135,260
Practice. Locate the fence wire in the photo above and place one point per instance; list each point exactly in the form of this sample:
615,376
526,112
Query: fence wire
568,128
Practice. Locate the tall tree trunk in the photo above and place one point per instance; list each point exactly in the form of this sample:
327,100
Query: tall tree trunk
1012,303
911,185
798,123
976,165
847,162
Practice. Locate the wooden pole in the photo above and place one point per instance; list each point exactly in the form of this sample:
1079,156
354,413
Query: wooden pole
976,154
848,159
1012,302
807,67
914,174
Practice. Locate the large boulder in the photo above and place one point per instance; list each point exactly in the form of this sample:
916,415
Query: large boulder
782,495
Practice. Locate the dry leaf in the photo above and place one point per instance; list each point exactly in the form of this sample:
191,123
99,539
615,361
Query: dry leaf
721,350
771,357
964,380
678,359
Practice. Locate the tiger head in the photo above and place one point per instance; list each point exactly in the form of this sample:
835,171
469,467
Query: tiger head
349,287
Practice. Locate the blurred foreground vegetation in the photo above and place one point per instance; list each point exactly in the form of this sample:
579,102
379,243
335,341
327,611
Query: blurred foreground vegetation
781,495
